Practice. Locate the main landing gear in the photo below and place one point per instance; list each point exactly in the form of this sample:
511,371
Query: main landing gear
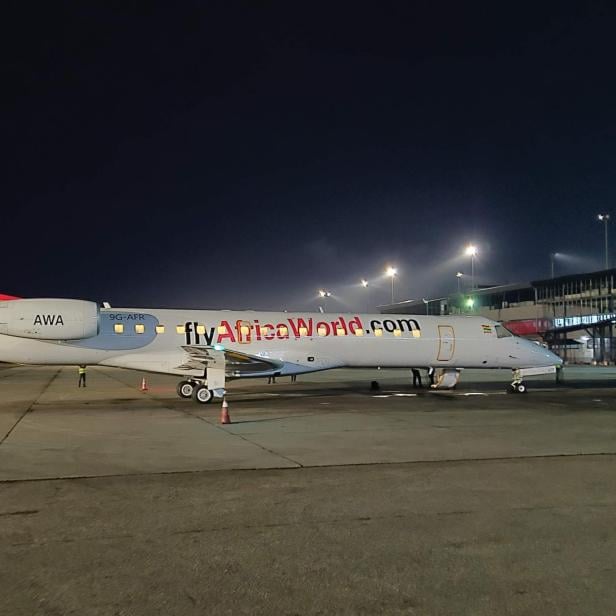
203,390
195,390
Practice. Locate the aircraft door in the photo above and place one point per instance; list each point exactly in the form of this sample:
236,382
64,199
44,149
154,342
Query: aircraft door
446,343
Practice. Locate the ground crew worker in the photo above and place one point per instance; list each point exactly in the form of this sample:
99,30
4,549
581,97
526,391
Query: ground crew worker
82,375
416,378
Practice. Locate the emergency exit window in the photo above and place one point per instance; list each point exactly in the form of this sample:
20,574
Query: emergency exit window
139,328
118,328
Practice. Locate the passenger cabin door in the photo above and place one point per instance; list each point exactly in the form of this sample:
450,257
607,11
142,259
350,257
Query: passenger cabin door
446,343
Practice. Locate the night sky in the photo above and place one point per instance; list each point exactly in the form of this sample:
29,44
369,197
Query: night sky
242,156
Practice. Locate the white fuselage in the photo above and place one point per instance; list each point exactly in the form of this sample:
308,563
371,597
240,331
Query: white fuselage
295,342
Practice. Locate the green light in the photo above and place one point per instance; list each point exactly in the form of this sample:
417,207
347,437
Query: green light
470,302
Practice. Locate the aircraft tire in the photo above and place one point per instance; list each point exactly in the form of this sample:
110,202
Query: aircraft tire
521,388
185,389
202,394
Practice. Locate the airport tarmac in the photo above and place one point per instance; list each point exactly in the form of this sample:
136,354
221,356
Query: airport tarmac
321,497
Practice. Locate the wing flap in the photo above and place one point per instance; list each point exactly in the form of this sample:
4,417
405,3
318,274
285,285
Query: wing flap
235,363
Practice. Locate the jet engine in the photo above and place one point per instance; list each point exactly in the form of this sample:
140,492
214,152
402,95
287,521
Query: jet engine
49,319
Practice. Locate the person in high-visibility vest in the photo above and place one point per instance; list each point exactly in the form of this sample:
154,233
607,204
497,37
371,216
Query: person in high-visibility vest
82,376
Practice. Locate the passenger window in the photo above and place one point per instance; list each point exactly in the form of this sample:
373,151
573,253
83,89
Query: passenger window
378,332
502,331
359,331
303,331
160,329
180,329
322,331
118,328
416,333
139,328
340,331
397,332
201,330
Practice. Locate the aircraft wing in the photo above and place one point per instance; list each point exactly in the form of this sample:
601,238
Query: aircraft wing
235,363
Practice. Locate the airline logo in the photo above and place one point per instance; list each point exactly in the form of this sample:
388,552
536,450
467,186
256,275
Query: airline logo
48,319
245,332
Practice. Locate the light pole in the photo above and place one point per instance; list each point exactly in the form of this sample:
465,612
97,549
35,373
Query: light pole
471,251
459,277
364,284
604,218
552,257
391,272
324,294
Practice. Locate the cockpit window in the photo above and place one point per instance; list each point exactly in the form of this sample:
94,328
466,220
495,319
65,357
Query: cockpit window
502,331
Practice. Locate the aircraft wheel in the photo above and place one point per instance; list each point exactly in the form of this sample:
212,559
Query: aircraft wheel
202,394
521,388
185,389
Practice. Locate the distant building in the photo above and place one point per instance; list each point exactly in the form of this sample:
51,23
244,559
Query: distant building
575,315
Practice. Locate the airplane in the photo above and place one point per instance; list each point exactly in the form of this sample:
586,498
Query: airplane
207,347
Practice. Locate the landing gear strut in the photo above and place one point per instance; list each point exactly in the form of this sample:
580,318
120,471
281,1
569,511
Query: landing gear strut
518,386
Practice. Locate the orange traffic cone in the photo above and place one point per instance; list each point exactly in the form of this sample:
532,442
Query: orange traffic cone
224,413
144,385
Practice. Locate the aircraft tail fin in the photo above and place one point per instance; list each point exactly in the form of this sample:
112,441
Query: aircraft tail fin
6,298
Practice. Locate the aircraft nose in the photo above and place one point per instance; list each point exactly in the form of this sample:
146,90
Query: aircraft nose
545,356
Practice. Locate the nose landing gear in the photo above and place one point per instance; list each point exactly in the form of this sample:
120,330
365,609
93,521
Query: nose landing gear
517,387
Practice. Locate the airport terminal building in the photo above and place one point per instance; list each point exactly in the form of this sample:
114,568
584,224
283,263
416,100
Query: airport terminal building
574,315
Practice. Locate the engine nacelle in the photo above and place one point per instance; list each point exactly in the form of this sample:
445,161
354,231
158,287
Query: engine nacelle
49,319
